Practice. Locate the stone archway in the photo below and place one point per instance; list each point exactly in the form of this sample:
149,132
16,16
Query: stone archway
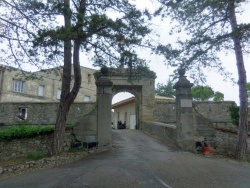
136,91
112,81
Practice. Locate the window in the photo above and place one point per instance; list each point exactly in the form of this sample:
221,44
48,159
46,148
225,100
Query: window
41,90
118,116
22,113
89,78
86,98
58,93
125,116
18,86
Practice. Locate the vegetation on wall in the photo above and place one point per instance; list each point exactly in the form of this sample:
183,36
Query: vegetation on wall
24,131
234,113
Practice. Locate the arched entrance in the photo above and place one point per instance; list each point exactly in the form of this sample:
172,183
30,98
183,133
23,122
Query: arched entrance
124,111
112,81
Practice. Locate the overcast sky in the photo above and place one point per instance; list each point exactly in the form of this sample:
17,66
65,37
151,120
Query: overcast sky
163,72
214,80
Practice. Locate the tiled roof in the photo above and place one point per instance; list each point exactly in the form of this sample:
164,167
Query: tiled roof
123,102
132,99
157,97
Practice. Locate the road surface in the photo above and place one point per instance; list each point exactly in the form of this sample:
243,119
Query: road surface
139,160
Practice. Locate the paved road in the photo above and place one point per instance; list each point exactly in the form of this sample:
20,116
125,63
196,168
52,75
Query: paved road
139,160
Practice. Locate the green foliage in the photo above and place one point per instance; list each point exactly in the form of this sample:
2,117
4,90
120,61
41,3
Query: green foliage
202,93
108,30
36,155
165,90
234,113
218,96
24,131
211,27
33,32
206,25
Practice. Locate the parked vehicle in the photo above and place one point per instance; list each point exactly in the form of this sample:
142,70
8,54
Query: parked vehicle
112,125
121,125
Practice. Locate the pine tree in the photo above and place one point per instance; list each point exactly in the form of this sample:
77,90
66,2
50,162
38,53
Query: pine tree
210,27
34,32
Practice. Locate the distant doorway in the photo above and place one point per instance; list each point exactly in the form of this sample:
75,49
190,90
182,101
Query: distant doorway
123,110
132,121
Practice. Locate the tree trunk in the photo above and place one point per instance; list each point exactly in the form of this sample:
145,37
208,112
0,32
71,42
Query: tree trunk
65,90
67,96
241,148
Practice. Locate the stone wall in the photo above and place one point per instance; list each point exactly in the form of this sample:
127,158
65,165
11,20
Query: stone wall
215,111
211,120
21,147
206,116
226,141
164,112
165,131
41,113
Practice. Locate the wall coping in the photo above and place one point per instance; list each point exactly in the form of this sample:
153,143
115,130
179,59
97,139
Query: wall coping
47,102
172,126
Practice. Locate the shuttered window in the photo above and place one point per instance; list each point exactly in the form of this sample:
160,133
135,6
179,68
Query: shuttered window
41,90
18,86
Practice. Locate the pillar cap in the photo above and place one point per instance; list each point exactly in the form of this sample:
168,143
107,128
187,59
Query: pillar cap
182,72
104,81
104,70
183,82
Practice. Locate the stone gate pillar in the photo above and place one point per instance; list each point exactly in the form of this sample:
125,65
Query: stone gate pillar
184,113
104,100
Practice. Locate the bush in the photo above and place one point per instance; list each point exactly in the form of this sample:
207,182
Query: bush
234,112
24,131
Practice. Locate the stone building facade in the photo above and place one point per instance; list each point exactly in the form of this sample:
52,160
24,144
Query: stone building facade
41,113
46,87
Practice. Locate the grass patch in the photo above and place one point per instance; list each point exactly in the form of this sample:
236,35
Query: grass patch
36,155
13,161
72,150
32,156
